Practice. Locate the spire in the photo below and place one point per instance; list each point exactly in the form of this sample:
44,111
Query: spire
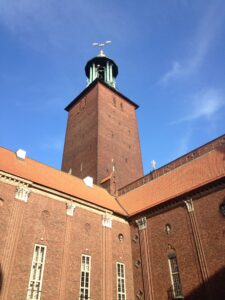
101,67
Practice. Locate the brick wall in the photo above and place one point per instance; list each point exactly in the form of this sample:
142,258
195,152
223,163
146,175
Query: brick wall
102,127
117,138
80,149
43,220
199,247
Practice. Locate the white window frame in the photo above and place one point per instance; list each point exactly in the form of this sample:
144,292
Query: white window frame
85,273
38,261
177,292
121,281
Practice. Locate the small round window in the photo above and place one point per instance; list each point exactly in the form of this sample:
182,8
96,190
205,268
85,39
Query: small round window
120,237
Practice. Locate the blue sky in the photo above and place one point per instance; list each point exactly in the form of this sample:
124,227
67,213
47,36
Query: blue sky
171,57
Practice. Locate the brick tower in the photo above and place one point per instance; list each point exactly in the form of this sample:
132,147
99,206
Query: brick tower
102,138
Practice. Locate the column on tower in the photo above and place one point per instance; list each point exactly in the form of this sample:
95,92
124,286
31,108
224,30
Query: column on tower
107,72
90,75
94,72
110,74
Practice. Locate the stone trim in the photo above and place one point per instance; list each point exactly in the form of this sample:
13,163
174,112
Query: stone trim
141,223
107,221
70,209
22,193
58,196
189,205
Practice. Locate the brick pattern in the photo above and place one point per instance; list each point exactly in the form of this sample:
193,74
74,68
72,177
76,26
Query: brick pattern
80,149
137,267
102,137
211,227
117,138
44,221
121,252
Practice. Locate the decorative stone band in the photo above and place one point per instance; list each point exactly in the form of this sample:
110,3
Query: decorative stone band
70,209
22,193
189,204
107,221
142,223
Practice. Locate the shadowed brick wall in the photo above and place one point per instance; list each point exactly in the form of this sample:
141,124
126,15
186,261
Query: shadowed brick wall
197,237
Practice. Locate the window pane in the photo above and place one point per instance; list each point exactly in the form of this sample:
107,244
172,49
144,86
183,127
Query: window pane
121,291
36,273
85,277
175,277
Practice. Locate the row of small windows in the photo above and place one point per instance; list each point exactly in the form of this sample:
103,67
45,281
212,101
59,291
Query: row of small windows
37,270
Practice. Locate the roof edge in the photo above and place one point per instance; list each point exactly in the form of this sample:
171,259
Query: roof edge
179,196
186,158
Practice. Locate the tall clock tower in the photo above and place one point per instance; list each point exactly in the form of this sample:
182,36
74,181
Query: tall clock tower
102,138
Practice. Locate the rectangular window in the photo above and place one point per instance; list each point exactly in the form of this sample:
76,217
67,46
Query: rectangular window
121,289
36,273
85,277
175,277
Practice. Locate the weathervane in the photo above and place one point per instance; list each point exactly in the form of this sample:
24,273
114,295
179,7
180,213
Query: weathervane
101,46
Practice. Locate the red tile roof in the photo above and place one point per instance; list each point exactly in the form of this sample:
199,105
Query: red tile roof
214,144
200,171
52,178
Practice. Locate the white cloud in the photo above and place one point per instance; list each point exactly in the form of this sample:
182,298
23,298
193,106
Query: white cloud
204,105
198,47
174,72
60,24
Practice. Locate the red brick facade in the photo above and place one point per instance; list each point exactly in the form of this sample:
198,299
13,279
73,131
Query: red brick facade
197,237
80,149
102,136
43,220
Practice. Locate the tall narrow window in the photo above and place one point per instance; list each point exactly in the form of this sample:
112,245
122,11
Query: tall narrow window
175,277
36,273
121,289
85,277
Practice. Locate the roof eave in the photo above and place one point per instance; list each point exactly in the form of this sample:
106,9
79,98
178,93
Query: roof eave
92,85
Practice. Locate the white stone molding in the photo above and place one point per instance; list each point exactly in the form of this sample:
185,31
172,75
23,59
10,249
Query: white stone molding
107,221
22,193
70,209
142,223
189,205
